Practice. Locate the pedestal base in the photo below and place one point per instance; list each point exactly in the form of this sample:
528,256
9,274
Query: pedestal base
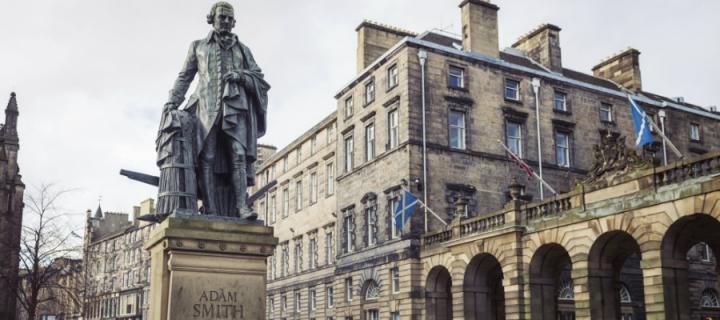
208,268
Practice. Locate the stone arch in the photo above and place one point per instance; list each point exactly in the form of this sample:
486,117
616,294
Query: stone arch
550,271
614,259
681,236
483,294
438,294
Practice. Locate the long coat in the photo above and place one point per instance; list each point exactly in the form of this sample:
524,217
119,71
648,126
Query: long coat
214,97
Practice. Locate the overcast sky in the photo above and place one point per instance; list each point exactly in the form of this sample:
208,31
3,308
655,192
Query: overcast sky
92,76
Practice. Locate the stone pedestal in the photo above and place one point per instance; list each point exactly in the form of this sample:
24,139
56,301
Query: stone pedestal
208,268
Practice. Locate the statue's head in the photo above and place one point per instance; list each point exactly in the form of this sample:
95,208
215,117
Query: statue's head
222,17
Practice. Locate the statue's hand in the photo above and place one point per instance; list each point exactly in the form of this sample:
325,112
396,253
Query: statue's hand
234,76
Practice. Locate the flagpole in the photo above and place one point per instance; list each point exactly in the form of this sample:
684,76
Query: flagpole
661,114
542,181
633,104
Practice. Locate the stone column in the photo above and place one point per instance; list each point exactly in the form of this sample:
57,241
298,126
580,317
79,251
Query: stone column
208,268
581,290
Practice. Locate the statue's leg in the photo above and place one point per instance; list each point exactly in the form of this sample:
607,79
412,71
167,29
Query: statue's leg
207,175
239,180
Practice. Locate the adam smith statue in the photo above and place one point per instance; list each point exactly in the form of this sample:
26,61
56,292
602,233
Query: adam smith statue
228,113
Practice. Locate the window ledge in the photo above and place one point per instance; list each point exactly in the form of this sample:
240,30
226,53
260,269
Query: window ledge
562,112
511,100
456,88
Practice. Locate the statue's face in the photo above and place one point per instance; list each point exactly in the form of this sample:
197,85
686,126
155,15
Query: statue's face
224,19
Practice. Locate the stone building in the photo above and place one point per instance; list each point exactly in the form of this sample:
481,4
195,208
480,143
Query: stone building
62,296
475,96
11,208
116,266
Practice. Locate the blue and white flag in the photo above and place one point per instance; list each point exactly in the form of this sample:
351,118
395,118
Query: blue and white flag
404,209
642,127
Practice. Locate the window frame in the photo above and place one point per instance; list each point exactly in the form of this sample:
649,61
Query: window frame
314,188
298,195
329,178
516,89
393,128
395,280
459,82
564,100
695,132
393,76
370,91
461,129
349,144
520,138
349,107
370,153
348,289
602,110
567,149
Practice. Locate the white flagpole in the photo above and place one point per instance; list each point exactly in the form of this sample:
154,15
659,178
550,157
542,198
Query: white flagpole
542,181
425,206
657,129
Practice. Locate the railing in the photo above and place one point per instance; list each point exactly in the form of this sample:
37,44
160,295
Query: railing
682,170
557,205
480,224
437,237
552,206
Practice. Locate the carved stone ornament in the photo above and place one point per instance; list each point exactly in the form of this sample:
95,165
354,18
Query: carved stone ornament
612,159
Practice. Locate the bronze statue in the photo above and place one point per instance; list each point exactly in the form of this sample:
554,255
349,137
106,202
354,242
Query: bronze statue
214,137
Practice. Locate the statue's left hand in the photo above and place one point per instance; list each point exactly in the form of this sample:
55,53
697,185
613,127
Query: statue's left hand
234,76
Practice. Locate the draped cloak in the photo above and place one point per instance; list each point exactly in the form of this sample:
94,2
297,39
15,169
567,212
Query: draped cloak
238,109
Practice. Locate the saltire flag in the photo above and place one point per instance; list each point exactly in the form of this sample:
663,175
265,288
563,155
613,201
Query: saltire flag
642,127
523,166
404,209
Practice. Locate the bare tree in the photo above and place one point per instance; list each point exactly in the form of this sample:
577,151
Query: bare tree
47,243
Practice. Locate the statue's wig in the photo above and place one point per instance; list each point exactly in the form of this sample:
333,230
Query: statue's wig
211,15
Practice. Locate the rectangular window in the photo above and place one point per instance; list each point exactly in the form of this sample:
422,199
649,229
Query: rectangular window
370,142
606,112
329,248
272,304
273,268
283,303
456,77
395,232
371,226
560,101
273,208
285,260
348,289
298,305
694,132
395,279
298,256
395,315
285,164
392,77
330,297
313,144
562,149
313,187
330,136
286,202
369,92
349,226
706,252
313,302
348,107
330,175
457,129
513,137
298,195
312,255
393,129
512,89
349,153
298,154
372,314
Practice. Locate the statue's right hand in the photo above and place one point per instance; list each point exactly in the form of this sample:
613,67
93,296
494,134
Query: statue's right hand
170,106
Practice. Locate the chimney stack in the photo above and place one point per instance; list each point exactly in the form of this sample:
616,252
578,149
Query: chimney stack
480,27
374,40
622,68
543,45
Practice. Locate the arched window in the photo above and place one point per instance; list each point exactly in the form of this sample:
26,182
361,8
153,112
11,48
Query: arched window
709,299
372,290
565,291
625,295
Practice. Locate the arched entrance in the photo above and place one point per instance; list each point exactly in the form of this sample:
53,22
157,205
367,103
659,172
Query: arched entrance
613,268
483,294
438,295
689,268
551,286
370,295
